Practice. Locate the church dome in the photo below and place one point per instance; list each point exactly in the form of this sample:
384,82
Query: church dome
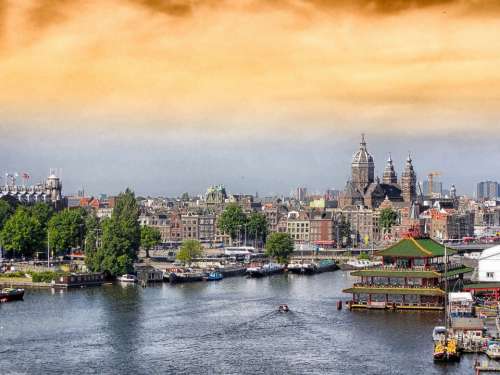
362,155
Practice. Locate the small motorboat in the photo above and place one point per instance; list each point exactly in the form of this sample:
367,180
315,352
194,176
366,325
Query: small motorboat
127,278
283,308
11,294
215,276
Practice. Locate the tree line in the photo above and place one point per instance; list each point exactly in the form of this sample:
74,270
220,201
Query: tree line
111,244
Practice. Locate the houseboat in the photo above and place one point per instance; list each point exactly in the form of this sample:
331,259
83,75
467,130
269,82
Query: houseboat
411,276
265,270
11,294
78,280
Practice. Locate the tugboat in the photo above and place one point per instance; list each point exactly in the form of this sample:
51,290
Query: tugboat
283,308
214,276
11,294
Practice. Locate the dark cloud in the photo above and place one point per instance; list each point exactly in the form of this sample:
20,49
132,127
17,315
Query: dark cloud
45,13
381,7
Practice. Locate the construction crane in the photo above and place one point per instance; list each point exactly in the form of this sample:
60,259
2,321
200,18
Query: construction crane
431,176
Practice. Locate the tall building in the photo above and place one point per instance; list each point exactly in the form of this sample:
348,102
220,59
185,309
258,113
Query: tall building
437,188
362,167
301,194
409,182
487,190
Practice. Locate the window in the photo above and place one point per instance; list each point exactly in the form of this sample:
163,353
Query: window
490,275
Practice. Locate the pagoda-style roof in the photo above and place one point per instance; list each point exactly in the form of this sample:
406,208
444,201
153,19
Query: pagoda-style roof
415,248
396,290
415,273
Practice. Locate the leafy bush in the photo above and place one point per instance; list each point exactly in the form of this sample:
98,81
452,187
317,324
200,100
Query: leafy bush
14,274
44,277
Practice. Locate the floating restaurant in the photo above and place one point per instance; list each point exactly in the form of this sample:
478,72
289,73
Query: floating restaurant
411,276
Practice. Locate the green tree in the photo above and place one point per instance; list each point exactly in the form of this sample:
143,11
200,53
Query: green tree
388,218
190,249
232,220
257,226
279,246
121,238
22,233
363,256
66,230
6,211
42,212
92,229
150,237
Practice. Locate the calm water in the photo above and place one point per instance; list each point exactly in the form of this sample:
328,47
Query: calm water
227,327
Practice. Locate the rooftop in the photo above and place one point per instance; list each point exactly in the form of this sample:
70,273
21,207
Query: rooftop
415,248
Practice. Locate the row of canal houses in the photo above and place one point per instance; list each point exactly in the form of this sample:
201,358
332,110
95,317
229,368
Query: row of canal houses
412,276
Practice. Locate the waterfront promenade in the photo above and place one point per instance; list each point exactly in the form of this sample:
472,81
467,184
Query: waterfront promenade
228,327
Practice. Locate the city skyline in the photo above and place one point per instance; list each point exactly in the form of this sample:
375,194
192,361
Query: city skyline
170,96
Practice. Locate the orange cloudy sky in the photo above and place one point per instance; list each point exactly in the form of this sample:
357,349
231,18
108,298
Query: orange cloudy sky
241,69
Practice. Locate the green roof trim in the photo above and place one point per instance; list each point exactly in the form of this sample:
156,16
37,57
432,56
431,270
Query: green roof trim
458,271
399,273
415,248
409,273
485,285
405,291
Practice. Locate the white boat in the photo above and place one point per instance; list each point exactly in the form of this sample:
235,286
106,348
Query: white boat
127,278
438,333
493,351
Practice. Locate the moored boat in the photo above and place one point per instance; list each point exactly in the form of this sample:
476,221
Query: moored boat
127,278
302,268
493,351
184,277
439,353
214,276
438,333
11,294
265,270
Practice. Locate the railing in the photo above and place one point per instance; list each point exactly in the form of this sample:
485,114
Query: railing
435,268
394,286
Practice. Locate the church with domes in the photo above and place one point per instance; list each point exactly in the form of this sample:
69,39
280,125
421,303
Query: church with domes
366,190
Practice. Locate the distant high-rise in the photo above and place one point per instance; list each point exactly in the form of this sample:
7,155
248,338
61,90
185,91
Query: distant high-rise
487,190
437,188
301,194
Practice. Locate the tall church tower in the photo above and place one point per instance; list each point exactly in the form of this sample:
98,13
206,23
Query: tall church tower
389,176
409,182
362,167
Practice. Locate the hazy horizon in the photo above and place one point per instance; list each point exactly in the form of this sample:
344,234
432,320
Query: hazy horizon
170,96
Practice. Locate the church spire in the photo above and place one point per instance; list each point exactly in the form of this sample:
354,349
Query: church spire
409,181
389,176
